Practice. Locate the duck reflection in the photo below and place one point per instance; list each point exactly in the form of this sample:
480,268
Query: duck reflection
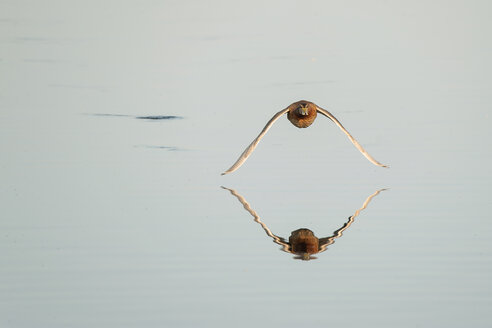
302,242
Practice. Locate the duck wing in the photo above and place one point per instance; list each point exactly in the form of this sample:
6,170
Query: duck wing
276,239
356,144
326,241
244,156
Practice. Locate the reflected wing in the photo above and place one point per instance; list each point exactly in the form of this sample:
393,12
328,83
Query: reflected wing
324,243
356,144
244,156
276,239
327,241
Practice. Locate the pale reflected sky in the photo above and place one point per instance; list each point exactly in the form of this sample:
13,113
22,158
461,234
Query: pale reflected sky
108,220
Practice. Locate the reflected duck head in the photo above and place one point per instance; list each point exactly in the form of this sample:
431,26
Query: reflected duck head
302,113
303,242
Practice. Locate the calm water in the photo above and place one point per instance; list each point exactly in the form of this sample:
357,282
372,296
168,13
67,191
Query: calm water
116,120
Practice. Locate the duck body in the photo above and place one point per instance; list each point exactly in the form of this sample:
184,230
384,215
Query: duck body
302,113
304,241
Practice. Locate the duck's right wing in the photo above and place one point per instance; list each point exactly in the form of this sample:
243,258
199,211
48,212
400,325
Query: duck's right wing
244,156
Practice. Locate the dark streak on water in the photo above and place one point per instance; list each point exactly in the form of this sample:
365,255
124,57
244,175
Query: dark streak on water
159,117
151,117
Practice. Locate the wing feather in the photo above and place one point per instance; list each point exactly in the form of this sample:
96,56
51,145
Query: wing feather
356,144
244,156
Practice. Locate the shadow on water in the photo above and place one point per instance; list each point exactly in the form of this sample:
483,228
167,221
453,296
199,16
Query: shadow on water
149,117
159,117
302,242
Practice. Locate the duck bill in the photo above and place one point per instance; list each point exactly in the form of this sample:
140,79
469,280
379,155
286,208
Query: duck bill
303,111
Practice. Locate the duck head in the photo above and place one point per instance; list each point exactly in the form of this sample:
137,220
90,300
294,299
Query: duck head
303,109
302,113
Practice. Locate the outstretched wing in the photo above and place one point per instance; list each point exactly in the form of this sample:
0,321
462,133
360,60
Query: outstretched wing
327,241
244,156
356,144
276,239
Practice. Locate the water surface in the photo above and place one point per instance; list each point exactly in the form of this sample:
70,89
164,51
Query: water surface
116,120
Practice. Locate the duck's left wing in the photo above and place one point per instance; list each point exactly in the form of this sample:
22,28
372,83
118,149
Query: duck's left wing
356,144
244,156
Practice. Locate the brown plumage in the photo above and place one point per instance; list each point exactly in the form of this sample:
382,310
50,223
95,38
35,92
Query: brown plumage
304,241
302,114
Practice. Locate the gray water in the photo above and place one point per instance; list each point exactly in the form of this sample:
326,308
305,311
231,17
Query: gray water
112,212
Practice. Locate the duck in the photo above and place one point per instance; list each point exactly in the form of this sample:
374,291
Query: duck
302,242
301,114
